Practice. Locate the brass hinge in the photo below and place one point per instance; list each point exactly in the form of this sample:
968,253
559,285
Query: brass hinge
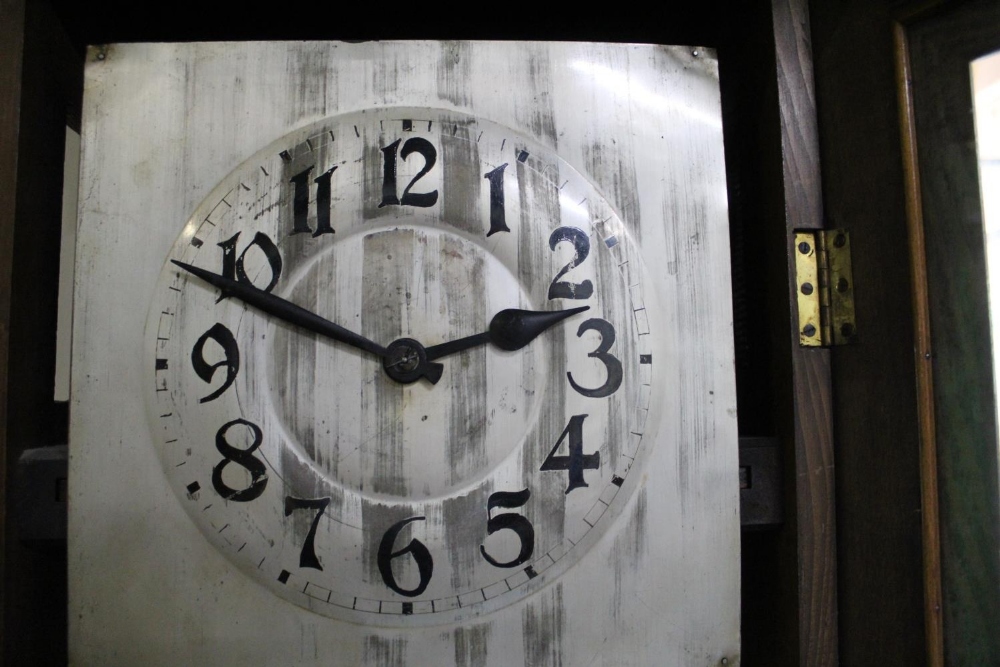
825,287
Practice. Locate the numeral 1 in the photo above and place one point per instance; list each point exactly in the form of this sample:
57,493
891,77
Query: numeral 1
498,222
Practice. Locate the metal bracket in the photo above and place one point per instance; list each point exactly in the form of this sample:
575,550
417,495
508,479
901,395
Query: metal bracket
40,495
760,483
825,288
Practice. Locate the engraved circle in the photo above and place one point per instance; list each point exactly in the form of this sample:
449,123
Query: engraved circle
370,434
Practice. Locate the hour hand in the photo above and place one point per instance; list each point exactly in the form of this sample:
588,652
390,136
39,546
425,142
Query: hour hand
283,309
510,329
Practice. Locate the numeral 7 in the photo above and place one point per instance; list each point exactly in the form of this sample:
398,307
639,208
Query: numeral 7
308,556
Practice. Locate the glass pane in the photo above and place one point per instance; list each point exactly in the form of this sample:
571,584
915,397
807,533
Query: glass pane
986,95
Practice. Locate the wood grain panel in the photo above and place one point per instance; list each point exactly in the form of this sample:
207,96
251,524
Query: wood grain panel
923,360
876,442
34,583
814,461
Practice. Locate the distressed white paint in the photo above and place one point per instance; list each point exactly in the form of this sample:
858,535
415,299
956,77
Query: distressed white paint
635,129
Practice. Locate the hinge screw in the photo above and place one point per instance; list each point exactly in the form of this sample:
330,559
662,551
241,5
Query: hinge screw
842,285
807,288
809,330
804,248
840,240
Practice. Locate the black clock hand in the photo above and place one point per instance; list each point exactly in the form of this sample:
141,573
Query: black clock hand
510,329
284,310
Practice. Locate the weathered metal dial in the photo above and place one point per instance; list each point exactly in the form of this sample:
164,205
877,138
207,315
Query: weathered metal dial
305,303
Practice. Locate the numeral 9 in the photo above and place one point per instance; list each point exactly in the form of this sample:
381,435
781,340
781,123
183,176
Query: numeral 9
224,337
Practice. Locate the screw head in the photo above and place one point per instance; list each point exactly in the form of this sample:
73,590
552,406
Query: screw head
804,248
847,329
840,240
842,285
807,288
809,330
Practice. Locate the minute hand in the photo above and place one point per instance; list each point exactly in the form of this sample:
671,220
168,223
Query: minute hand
283,310
510,329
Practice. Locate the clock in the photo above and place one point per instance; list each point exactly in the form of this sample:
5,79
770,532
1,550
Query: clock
399,366
403,353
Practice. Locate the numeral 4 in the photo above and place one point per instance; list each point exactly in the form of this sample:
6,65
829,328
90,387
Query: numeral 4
577,461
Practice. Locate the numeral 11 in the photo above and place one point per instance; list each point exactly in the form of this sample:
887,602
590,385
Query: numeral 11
300,202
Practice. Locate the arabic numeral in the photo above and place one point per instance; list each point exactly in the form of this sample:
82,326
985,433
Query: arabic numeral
498,222
234,266
243,458
416,549
577,461
231,361
420,199
581,249
611,363
509,521
300,202
308,558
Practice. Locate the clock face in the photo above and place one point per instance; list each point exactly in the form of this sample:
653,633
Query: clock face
364,484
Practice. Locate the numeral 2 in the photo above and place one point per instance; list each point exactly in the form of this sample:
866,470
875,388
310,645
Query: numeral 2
577,461
419,199
581,247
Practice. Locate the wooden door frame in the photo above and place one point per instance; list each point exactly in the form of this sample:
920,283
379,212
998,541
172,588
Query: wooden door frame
812,385
922,351
11,45
954,622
